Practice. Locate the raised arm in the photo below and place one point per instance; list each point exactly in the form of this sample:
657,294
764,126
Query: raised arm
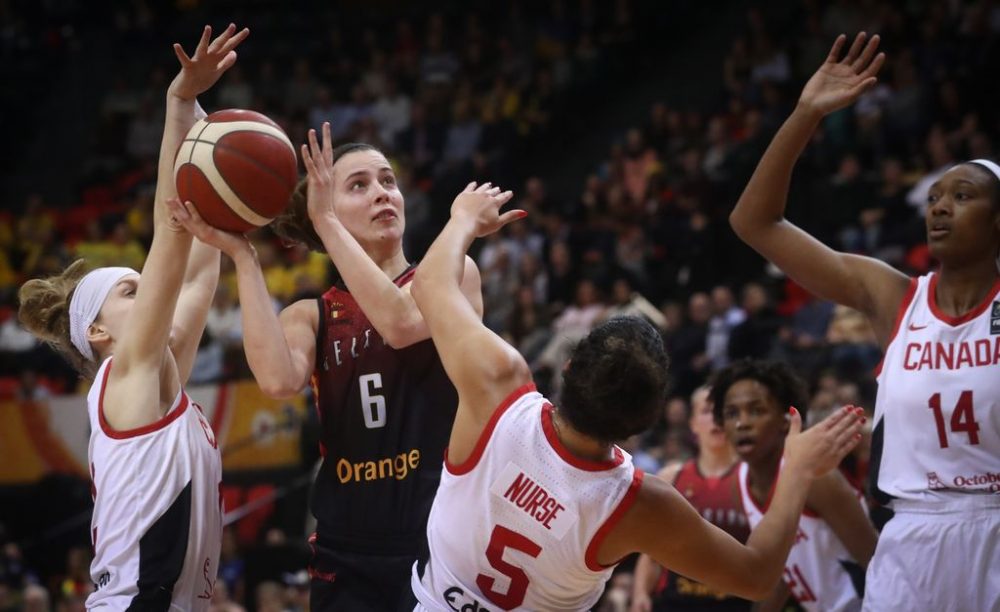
390,308
699,550
483,368
140,352
863,283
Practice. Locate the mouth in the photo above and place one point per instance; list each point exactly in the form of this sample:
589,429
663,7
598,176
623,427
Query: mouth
385,216
744,445
938,231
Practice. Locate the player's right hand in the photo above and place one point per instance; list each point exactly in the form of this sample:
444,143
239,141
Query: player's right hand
186,216
480,205
839,82
821,448
210,60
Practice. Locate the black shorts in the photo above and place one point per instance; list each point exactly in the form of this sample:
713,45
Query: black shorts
358,582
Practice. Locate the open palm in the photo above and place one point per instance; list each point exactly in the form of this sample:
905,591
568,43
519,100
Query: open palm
839,82
210,60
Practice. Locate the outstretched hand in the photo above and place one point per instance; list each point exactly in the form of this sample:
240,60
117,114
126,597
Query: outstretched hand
481,204
185,216
210,60
318,160
821,448
839,82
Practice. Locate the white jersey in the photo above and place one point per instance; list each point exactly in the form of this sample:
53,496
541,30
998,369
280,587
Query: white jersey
157,524
518,524
819,571
937,413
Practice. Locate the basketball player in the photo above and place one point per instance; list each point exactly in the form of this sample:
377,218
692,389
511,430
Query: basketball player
825,569
936,440
537,504
154,461
384,400
709,483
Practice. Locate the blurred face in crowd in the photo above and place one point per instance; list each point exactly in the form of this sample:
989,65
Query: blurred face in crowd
754,422
702,422
963,216
367,199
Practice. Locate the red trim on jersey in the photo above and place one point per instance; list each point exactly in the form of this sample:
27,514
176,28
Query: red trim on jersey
903,306
567,456
406,276
477,451
172,415
221,408
972,314
313,572
602,532
770,494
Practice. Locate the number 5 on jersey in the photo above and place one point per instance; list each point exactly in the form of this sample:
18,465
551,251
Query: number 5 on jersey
372,404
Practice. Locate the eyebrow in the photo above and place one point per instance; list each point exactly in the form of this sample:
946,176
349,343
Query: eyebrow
366,172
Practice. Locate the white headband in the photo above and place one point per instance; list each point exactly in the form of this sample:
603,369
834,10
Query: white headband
88,297
991,166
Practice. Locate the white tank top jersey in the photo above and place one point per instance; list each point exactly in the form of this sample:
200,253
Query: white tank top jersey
821,575
519,523
937,412
157,524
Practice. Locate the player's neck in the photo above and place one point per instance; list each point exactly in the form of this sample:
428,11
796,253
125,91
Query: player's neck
392,263
715,463
581,446
763,473
960,289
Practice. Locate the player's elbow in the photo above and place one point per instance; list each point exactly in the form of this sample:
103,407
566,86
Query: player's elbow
403,334
279,389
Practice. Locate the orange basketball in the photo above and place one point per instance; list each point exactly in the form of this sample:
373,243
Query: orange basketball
238,168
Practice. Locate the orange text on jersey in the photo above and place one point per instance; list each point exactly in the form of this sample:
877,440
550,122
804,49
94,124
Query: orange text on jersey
398,467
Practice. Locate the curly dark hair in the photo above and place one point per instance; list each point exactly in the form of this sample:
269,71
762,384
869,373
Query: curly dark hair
781,381
293,224
616,381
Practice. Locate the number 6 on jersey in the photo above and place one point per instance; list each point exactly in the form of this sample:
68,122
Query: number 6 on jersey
372,404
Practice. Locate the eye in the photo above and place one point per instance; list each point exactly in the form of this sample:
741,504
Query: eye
961,195
356,185
389,180
931,198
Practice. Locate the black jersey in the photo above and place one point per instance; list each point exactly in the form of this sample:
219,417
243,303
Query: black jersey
385,417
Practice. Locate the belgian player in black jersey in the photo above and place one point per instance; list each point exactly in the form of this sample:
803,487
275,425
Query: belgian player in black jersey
385,403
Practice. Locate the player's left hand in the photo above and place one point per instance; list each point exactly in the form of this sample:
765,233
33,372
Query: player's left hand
481,205
318,160
210,60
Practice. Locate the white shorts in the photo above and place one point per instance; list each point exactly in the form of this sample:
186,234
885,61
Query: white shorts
942,556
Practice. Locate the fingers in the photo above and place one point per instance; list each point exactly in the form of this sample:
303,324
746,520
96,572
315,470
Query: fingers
512,215
505,197
314,148
307,161
794,421
855,50
182,57
327,145
470,187
875,66
227,62
233,42
221,39
206,35
866,56
838,44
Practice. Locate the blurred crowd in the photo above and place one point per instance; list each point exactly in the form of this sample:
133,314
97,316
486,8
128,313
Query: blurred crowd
455,97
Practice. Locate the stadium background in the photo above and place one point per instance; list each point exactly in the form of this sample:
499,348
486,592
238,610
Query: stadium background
627,128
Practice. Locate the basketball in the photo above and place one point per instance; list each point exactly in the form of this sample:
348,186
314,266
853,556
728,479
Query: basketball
238,168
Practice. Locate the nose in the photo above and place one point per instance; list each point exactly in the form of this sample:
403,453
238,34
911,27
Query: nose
381,193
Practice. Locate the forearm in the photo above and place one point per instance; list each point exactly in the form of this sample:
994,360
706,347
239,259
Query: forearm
264,340
181,114
774,536
440,273
390,309
647,572
200,282
763,201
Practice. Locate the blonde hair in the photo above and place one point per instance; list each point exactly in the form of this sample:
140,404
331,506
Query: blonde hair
44,311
